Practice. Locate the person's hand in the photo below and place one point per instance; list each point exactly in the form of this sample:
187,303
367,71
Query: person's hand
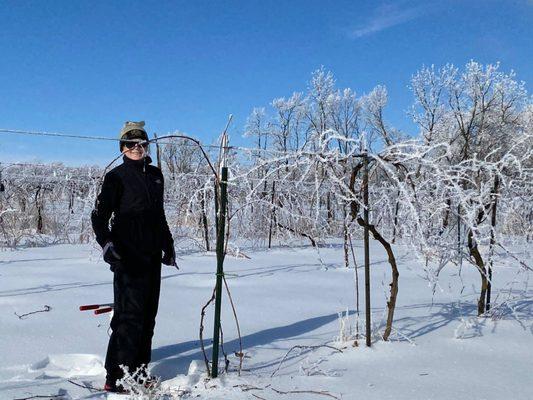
110,254
169,257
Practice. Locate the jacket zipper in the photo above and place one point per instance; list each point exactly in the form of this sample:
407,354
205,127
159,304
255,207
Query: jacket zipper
146,184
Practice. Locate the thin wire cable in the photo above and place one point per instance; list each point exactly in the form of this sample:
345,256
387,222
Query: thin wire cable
56,134
162,142
85,137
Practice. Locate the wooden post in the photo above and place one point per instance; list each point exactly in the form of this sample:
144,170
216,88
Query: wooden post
158,152
221,227
367,252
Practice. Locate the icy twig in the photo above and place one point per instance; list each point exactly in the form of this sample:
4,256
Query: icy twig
302,348
247,388
397,331
522,263
206,360
226,361
240,354
90,388
317,392
140,385
46,309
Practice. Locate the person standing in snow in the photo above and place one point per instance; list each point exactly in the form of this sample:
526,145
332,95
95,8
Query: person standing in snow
135,243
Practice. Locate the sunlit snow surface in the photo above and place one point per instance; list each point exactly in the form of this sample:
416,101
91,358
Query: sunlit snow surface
284,297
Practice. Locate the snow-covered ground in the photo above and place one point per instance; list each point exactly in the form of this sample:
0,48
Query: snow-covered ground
284,297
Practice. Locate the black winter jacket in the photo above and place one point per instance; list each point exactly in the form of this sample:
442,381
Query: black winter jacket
132,193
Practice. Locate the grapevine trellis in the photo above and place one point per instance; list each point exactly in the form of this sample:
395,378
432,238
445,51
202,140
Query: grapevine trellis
83,183
454,195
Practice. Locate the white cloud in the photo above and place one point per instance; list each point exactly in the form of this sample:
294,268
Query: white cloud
388,16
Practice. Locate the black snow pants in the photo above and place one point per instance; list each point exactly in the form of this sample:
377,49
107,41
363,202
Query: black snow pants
136,298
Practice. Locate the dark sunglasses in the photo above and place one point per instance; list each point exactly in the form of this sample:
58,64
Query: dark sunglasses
131,145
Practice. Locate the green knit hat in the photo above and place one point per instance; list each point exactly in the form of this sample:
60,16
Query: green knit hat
132,130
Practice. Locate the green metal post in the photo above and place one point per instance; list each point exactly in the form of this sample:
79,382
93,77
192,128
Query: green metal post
367,252
223,186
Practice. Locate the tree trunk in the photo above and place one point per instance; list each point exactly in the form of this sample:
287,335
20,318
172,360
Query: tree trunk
329,210
446,219
396,210
345,242
272,214
492,236
480,265
39,211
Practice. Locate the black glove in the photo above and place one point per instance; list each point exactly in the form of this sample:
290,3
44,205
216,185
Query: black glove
169,257
111,256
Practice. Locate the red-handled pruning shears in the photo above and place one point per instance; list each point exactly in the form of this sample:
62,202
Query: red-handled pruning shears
98,308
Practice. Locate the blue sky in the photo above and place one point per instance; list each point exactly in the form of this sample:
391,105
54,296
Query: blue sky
87,66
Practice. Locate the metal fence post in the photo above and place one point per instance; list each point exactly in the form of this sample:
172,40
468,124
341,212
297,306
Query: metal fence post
367,252
221,226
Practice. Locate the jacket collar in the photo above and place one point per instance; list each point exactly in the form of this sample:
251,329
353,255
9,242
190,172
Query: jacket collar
143,162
